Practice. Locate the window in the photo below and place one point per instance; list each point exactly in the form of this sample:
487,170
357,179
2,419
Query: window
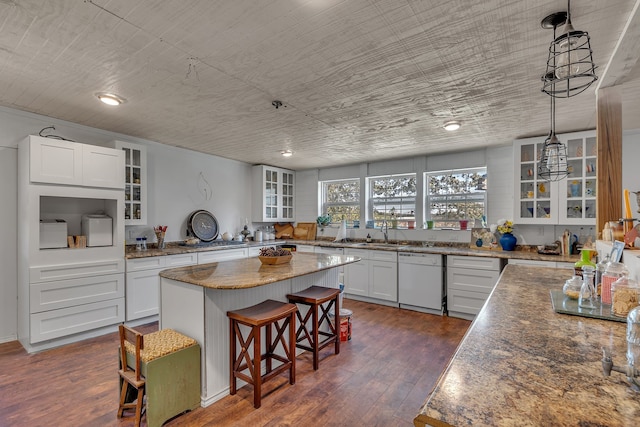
454,195
393,199
341,199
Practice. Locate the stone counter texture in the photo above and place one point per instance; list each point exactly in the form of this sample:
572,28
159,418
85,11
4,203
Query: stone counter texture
174,248
250,273
522,364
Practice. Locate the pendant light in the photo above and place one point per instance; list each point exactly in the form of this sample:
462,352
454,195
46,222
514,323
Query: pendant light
553,158
570,66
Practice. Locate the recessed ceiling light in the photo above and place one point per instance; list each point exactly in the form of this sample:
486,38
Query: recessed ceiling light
286,153
451,126
110,98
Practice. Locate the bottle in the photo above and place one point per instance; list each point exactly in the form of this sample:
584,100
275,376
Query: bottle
585,260
633,338
144,243
368,238
600,267
138,243
587,292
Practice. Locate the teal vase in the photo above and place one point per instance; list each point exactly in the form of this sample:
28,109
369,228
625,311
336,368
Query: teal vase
508,242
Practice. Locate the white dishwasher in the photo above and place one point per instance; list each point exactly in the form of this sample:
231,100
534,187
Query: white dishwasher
420,284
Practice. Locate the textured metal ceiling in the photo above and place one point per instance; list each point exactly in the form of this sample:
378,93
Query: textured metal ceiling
360,80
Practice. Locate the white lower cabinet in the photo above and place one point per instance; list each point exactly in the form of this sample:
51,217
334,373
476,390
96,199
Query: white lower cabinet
223,255
143,282
470,280
537,263
375,276
305,248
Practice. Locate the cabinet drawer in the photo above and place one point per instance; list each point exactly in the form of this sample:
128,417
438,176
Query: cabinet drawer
478,263
304,248
465,301
534,263
147,263
179,260
66,293
362,253
472,280
45,273
223,255
391,256
67,321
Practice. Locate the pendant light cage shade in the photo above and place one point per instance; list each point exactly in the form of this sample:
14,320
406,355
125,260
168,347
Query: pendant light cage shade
553,160
570,67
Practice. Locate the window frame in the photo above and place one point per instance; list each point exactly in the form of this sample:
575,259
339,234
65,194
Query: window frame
408,222
457,198
325,205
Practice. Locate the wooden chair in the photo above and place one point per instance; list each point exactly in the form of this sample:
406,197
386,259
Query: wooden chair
266,314
131,376
160,373
314,340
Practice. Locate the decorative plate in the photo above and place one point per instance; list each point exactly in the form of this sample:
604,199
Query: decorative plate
203,225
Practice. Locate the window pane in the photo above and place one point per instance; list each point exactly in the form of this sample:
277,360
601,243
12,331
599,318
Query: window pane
455,195
393,199
341,200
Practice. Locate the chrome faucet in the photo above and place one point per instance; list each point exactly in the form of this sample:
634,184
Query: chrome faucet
385,230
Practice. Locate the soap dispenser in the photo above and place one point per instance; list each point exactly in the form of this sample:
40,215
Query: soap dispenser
368,238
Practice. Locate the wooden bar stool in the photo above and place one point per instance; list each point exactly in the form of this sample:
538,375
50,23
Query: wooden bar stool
164,367
315,297
268,313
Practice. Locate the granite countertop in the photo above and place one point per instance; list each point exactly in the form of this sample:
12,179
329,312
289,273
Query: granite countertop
522,364
414,247
250,273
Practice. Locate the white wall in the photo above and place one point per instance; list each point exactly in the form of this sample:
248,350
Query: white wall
173,177
500,184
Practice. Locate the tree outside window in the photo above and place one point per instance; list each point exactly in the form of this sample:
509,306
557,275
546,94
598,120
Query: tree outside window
341,200
393,199
452,196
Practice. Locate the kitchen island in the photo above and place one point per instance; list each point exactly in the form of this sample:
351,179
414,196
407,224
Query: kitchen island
194,300
522,364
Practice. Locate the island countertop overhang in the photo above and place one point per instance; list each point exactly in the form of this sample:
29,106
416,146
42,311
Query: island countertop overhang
521,363
249,272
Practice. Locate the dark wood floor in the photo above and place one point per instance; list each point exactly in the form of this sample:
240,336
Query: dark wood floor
380,378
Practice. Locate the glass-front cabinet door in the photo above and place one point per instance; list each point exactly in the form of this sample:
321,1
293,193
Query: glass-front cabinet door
536,202
578,191
273,190
135,187
571,200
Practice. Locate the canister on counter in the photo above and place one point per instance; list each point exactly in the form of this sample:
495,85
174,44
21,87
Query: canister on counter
612,272
625,294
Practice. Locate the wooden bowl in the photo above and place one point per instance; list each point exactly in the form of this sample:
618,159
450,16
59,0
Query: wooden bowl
275,260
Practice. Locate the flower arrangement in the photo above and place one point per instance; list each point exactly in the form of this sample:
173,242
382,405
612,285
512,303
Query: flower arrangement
503,226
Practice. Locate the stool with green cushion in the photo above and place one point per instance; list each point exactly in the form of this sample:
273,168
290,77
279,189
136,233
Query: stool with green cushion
170,369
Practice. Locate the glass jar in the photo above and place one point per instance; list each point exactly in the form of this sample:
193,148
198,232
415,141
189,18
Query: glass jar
624,296
612,272
588,296
633,338
600,267
572,287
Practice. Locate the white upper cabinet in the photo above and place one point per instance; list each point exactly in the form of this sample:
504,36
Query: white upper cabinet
54,161
101,166
273,194
570,200
135,182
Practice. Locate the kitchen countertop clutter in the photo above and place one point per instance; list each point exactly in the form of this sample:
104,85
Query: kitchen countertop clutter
416,247
522,364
